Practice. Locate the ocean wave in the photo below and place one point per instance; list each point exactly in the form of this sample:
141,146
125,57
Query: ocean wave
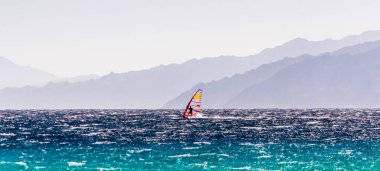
7,134
107,168
75,164
242,168
183,155
20,163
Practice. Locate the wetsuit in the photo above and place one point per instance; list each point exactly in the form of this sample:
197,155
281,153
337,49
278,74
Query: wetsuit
190,111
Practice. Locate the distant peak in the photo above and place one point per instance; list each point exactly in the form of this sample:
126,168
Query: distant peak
5,62
298,40
371,32
371,35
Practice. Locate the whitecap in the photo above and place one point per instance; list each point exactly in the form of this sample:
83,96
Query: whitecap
247,144
190,148
22,164
103,142
224,155
183,155
139,151
345,152
265,156
39,167
7,134
93,134
282,126
256,128
199,115
226,117
143,150
208,154
76,163
204,165
16,163
204,142
110,168
242,168
312,122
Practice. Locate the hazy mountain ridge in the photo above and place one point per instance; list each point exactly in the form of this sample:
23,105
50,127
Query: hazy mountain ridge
137,89
12,75
219,93
152,88
81,78
347,81
300,46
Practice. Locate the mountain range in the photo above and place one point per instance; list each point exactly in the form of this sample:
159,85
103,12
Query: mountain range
153,88
344,81
12,75
259,87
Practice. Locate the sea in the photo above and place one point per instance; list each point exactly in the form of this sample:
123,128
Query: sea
234,139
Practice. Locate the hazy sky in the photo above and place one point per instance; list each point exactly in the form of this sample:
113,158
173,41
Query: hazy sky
76,37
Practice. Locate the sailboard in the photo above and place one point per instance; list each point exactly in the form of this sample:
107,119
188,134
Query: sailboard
194,107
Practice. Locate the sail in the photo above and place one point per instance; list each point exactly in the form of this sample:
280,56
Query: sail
195,104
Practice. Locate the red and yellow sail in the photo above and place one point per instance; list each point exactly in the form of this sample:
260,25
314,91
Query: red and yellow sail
194,103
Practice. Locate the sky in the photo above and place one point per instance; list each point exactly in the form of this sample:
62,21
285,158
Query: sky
78,37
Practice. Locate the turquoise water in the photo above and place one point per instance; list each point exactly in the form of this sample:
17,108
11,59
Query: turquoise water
320,139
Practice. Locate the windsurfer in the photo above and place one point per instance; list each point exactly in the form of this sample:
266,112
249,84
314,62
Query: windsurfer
194,106
190,111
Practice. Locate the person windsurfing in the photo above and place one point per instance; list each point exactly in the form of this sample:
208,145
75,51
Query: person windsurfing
190,111
193,108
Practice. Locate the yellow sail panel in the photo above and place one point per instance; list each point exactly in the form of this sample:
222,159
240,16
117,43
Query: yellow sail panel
198,96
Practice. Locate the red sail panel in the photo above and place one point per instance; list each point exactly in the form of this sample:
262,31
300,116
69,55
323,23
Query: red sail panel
194,105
